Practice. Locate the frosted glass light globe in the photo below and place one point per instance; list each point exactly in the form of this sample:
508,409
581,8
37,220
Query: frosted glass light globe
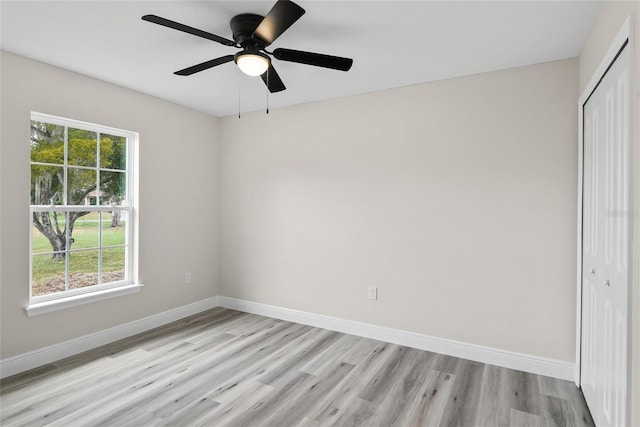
252,64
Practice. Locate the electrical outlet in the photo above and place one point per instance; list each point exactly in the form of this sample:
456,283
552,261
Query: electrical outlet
372,293
187,278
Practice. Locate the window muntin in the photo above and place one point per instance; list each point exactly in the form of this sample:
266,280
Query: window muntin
82,208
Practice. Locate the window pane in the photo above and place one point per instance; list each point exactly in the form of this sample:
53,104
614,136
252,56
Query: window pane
113,152
75,169
83,147
47,143
48,273
113,187
46,185
48,232
114,228
86,230
81,186
83,269
113,264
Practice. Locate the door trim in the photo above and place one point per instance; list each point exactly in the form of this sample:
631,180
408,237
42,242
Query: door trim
623,37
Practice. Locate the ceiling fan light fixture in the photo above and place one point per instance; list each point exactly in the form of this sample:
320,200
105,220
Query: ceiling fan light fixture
253,34
252,63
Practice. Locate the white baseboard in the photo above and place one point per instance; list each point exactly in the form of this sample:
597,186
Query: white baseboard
507,359
523,362
33,359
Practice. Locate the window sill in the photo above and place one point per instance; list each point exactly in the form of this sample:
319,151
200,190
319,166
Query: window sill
63,303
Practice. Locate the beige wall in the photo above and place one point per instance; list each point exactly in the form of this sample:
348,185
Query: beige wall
178,200
457,199
611,17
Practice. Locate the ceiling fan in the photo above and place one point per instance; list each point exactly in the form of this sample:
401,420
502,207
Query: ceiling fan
253,33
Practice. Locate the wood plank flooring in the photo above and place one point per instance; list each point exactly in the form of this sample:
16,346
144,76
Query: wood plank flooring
226,368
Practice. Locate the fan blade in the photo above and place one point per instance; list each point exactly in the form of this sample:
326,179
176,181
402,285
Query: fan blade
281,16
310,58
187,29
204,66
272,80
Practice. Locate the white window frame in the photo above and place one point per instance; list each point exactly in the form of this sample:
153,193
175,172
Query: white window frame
46,303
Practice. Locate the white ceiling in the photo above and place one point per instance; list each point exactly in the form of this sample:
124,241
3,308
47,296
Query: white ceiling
393,44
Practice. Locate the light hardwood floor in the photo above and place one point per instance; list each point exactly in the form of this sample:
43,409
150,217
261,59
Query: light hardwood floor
223,367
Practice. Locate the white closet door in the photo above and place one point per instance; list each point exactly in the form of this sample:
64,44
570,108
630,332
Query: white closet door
605,240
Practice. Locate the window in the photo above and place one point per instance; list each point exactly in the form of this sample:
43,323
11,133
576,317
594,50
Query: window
82,210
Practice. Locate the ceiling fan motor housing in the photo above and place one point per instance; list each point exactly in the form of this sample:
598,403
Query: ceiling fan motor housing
243,26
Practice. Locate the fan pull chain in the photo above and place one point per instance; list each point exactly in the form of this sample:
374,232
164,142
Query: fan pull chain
268,88
238,98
